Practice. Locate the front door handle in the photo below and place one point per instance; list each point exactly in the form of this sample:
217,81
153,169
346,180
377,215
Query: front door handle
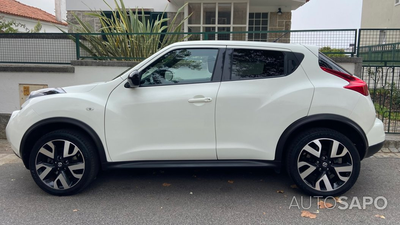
200,100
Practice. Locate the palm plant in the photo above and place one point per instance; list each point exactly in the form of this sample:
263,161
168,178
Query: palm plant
128,35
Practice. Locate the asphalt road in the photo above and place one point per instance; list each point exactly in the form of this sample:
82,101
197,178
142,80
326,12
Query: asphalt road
195,196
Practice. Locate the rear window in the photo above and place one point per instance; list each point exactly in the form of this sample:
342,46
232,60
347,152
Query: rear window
325,61
256,64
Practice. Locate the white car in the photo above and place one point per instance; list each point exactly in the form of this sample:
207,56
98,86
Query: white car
205,104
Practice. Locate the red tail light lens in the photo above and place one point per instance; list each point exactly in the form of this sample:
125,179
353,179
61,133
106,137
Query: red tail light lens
355,83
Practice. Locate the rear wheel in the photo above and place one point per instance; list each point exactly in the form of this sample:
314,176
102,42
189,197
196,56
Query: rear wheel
323,162
63,162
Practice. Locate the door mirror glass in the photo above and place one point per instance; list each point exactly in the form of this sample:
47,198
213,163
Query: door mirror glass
133,80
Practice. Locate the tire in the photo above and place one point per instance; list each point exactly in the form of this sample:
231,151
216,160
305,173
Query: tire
323,162
63,162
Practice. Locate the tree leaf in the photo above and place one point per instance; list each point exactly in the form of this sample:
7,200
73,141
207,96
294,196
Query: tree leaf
380,216
230,181
337,199
324,205
166,184
307,214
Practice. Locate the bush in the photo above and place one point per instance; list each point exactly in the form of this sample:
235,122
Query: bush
128,35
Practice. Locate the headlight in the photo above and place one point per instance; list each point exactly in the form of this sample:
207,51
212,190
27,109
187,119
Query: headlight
46,91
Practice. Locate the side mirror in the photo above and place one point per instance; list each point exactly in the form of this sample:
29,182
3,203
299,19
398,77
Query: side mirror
133,80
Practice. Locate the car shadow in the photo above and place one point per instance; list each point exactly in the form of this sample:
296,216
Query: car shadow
192,180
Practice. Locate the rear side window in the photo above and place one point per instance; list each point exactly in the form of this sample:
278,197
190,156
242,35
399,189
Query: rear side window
256,64
325,61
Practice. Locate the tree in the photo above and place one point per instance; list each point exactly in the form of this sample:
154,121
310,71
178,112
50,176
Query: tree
37,28
10,26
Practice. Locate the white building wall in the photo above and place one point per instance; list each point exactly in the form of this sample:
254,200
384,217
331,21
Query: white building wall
380,14
156,5
30,24
10,81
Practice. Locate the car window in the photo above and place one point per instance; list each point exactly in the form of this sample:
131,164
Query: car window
325,61
181,66
256,64
252,64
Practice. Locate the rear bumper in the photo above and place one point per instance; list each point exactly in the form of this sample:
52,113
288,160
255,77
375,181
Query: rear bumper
376,138
376,134
373,149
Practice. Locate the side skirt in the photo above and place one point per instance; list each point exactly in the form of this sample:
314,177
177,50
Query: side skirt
192,164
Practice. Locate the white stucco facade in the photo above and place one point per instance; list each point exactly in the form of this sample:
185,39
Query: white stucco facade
31,23
153,5
174,5
10,81
380,14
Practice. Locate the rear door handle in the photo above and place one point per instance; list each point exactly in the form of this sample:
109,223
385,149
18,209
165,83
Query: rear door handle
200,100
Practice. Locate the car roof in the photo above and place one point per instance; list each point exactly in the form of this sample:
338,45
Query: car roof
251,44
240,43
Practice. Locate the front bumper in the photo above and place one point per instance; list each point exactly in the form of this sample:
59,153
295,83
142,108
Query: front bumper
13,134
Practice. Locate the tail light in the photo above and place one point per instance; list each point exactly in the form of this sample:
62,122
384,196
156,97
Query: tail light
355,83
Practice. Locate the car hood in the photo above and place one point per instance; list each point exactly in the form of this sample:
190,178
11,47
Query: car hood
81,88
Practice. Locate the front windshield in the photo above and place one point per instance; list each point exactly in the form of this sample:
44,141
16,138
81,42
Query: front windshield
122,73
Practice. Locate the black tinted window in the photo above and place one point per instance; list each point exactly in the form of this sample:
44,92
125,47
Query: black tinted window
254,64
325,61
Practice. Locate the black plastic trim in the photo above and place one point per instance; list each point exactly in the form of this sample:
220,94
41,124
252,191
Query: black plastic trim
191,164
226,75
315,118
374,149
219,66
93,135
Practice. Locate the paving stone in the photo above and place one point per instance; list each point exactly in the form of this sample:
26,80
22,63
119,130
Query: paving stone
386,150
394,150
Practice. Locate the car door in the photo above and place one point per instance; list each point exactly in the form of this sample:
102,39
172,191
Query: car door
171,115
263,91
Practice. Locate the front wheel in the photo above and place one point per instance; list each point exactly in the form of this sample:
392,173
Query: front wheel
63,162
323,162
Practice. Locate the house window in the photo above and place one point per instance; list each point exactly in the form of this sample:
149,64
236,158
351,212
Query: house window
382,37
218,17
258,22
148,16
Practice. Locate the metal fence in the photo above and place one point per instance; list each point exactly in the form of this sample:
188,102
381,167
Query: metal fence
384,86
379,47
62,48
31,48
380,50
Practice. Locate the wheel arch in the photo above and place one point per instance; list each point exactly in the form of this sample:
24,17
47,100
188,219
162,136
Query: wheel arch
47,125
339,123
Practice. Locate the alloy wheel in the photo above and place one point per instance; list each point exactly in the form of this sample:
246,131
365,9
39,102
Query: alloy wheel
325,164
60,164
